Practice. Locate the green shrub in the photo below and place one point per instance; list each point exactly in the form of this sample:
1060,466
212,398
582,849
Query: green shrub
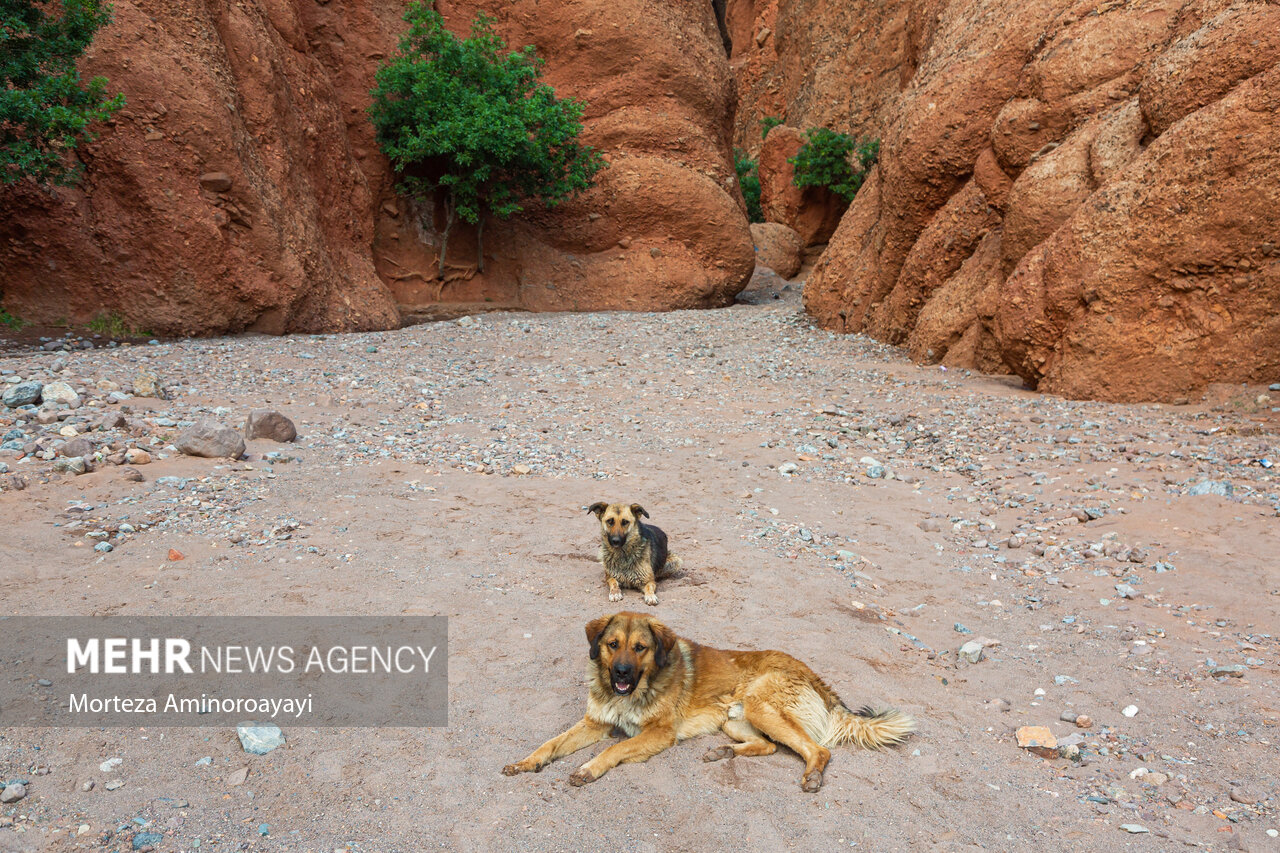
15,323
749,183
45,111
465,119
767,124
835,161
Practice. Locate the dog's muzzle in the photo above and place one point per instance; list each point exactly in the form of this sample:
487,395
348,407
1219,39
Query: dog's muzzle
616,541
624,680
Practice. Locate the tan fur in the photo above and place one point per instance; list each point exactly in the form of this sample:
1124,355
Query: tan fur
629,565
758,699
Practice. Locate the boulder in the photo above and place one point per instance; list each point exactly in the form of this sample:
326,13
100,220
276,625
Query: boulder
210,440
778,248
22,394
268,423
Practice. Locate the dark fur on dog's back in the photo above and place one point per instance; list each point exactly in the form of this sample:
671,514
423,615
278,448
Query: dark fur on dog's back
634,554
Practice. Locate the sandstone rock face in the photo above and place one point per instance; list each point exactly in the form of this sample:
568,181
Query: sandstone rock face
778,248
241,187
812,212
816,63
1088,197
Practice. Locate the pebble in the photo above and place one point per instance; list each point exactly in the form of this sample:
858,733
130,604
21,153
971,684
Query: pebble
137,456
1130,711
1233,670
146,840
114,785
1037,739
260,740
1134,828
13,792
1244,796
106,766
971,651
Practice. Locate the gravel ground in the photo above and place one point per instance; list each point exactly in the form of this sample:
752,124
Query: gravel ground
828,497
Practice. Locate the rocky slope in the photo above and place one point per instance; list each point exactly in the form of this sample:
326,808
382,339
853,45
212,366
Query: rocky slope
1088,196
241,187
815,63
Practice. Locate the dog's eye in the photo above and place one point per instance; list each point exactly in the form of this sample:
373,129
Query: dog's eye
639,649
625,523
614,644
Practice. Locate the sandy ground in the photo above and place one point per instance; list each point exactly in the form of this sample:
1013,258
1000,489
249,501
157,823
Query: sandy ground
750,437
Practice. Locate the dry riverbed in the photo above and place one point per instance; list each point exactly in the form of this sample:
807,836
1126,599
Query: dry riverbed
828,497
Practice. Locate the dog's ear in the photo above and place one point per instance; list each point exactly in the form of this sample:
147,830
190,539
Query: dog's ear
638,511
598,508
664,643
594,629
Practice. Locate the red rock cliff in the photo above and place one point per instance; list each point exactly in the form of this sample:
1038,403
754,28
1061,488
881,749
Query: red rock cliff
1087,195
241,188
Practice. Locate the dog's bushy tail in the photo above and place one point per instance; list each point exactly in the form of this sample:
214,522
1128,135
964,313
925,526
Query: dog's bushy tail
868,728
671,566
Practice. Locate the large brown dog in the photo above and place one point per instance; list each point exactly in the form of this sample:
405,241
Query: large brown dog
660,689
634,554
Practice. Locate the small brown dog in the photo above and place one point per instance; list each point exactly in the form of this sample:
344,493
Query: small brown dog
634,554
660,689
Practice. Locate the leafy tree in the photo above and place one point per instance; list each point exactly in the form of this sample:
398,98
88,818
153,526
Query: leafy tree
749,183
465,119
767,124
835,161
45,110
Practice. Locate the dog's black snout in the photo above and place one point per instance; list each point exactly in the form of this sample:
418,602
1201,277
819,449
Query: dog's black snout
623,672
616,540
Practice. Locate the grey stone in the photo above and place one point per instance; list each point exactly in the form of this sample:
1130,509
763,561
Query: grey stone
13,792
79,446
60,392
146,839
971,651
210,440
71,464
1222,488
268,423
259,740
22,394
1233,670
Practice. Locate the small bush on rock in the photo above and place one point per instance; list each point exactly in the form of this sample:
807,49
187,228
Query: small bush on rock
749,183
835,161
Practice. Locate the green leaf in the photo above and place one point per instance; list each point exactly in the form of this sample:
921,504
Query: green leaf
45,109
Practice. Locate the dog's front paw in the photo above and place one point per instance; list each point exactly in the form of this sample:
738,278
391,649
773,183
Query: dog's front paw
615,596
812,782
651,600
519,767
716,753
582,776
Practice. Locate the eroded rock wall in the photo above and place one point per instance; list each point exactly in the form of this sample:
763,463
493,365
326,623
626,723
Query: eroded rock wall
1088,196
241,187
